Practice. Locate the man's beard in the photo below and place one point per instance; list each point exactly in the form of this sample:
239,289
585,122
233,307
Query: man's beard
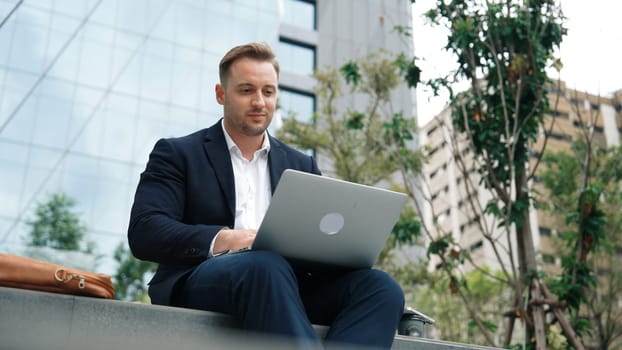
250,129
253,129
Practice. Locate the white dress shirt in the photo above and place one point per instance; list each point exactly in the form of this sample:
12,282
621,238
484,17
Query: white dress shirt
252,185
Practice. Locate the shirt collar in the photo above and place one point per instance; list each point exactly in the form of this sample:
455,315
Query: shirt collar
265,146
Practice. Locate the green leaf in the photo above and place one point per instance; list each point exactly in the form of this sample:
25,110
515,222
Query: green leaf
406,230
438,246
413,75
351,73
403,30
409,70
355,121
492,208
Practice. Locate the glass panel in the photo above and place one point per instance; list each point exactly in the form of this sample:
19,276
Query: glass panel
182,122
148,132
111,206
40,178
295,58
14,153
130,80
88,135
81,165
251,3
84,190
186,77
64,24
156,78
6,7
152,14
28,44
11,235
10,187
296,105
52,123
117,135
85,102
98,72
218,40
189,25
299,13
153,110
73,8
21,124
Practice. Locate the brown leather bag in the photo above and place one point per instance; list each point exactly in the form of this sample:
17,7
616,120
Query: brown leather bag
26,273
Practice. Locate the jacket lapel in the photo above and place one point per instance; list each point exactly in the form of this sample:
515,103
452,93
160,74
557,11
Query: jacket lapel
277,162
218,156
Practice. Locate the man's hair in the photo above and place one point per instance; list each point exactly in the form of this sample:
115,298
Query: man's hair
255,51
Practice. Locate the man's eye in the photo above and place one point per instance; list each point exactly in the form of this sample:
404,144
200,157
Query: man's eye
268,92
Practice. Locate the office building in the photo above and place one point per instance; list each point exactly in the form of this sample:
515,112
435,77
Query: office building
449,210
87,87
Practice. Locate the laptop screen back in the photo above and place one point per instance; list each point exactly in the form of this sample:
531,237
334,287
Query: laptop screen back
327,221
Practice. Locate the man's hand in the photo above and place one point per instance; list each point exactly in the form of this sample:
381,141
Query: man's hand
233,240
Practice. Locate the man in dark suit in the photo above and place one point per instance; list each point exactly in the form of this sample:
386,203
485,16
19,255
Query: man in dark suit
200,201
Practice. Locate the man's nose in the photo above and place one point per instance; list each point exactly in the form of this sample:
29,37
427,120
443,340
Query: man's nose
258,100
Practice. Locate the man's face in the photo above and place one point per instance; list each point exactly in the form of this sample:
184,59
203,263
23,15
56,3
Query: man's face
248,97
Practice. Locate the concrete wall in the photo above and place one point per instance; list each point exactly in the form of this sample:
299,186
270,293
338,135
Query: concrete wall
35,320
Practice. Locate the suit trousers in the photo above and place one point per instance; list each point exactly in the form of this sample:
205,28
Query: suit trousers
266,294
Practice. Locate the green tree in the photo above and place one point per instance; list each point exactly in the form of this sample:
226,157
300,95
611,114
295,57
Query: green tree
591,284
130,279
357,142
56,225
503,49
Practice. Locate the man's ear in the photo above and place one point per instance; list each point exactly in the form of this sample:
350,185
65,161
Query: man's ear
220,94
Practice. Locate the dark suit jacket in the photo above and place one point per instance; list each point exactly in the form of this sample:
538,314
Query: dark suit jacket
185,196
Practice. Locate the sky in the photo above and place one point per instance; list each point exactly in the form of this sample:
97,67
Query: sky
591,52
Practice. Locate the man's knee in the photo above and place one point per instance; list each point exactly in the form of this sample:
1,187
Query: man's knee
385,288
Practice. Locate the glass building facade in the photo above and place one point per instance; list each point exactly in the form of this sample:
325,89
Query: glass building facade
87,87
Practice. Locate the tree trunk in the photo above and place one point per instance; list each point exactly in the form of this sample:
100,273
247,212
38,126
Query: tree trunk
528,264
539,324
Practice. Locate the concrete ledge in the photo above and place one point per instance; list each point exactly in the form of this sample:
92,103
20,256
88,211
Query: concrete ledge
32,320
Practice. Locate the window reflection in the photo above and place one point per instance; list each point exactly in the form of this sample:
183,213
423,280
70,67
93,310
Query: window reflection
299,13
296,58
296,105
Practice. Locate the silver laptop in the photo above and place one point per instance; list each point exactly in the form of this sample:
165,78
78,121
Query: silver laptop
320,220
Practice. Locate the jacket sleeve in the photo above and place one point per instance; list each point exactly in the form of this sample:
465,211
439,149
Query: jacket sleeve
156,230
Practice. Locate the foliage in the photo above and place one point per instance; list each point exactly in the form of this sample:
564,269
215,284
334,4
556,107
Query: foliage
453,321
56,225
130,280
503,49
404,229
584,230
